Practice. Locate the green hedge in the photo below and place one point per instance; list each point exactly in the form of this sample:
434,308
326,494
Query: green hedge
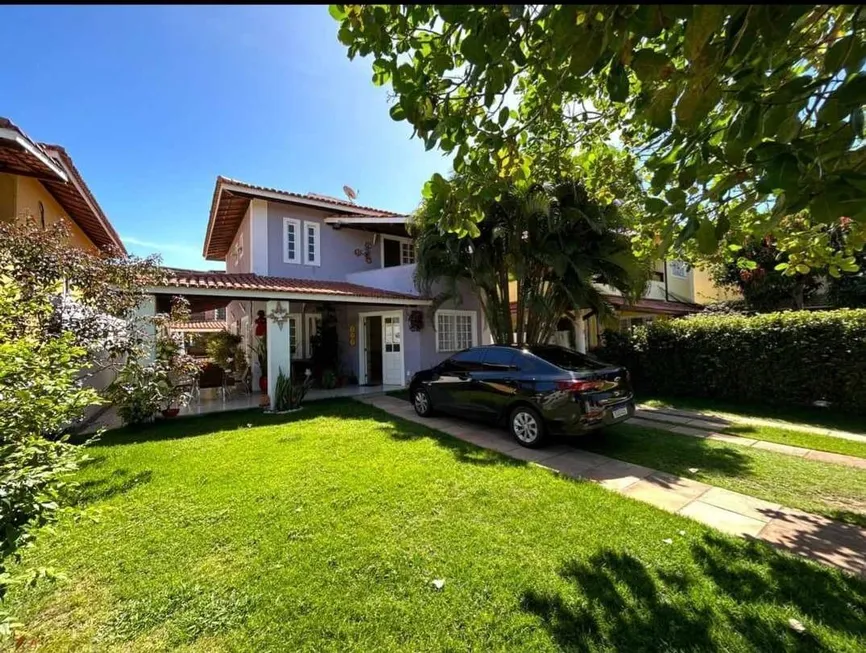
792,358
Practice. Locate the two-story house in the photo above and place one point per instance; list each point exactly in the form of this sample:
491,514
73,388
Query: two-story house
288,256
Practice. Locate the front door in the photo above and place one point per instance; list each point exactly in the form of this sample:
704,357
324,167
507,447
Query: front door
373,348
392,350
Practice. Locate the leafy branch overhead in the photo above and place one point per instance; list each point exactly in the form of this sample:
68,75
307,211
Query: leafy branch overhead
733,111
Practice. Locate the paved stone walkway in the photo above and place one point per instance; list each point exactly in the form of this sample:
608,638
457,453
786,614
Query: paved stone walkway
818,538
730,419
702,426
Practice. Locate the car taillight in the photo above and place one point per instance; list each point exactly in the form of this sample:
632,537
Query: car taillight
577,385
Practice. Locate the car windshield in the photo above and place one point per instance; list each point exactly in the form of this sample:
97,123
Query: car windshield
567,359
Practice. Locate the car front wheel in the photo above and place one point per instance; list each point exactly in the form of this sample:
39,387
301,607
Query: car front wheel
421,402
526,426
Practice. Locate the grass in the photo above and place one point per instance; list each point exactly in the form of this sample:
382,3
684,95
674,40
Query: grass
828,418
799,439
833,490
324,531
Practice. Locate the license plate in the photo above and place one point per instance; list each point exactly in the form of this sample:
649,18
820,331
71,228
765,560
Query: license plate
620,412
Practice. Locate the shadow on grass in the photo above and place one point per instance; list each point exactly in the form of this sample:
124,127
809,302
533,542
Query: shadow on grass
120,481
394,426
676,454
465,452
630,606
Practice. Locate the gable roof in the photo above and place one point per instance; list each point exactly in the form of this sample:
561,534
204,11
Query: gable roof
53,167
231,199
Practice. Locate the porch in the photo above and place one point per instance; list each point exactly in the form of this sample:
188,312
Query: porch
358,334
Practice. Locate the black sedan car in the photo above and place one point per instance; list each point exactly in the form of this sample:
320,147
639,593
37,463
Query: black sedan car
535,390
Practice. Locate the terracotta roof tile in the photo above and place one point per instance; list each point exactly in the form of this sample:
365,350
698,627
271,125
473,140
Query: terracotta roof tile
201,327
193,279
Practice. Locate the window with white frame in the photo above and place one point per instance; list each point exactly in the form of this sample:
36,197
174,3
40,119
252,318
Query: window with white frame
294,324
455,330
291,240
312,246
679,269
407,252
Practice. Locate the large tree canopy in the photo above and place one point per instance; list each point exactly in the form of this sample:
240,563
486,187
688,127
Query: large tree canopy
739,114
540,249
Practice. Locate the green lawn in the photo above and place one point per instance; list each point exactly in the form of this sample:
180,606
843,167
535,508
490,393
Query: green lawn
323,531
828,418
799,439
824,488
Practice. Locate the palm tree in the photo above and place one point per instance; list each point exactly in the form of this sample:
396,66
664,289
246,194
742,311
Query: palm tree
551,239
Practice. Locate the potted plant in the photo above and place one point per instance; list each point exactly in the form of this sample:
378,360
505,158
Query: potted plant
328,380
287,395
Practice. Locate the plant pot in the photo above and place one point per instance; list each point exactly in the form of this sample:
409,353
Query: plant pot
170,412
263,383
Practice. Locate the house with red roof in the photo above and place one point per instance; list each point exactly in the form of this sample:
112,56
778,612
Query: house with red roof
292,260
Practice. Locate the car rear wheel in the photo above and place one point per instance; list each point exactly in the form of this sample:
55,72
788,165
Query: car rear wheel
421,402
526,426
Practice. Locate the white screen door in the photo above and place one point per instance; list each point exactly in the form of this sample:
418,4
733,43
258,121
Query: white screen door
392,355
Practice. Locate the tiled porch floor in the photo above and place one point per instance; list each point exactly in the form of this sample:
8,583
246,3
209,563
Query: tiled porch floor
243,401
110,420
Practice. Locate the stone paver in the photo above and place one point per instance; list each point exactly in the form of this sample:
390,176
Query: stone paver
732,439
725,520
574,463
616,474
665,495
698,429
781,448
727,419
661,417
688,430
819,538
740,503
812,536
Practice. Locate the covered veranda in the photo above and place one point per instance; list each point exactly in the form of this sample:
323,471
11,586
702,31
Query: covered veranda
280,299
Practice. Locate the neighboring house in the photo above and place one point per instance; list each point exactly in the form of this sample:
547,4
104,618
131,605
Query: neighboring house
707,291
39,182
297,253
670,293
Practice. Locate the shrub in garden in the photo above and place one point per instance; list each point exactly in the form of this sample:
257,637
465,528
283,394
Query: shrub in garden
793,358
50,343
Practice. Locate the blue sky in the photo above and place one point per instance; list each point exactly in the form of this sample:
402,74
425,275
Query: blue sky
152,103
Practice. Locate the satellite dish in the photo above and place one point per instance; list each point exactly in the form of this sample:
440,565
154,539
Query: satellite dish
350,193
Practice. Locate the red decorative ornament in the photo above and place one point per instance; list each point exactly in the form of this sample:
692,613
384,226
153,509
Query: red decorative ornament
261,324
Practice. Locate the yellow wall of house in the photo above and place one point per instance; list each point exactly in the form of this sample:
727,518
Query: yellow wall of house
706,291
8,194
29,193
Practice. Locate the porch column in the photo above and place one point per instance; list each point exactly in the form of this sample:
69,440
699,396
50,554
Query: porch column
279,353
580,332
145,310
